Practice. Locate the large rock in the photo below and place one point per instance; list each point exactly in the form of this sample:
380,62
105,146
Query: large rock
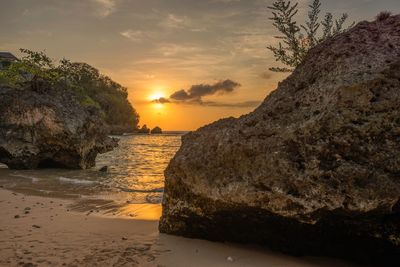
315,169
42,126
156,130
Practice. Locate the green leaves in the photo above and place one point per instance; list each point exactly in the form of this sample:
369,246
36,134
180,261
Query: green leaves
295,44
90,87
33,65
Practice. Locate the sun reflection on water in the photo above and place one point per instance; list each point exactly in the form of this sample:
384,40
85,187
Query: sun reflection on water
133,185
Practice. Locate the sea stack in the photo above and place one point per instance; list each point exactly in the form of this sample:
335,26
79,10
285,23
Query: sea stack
156,130
44,126
314,170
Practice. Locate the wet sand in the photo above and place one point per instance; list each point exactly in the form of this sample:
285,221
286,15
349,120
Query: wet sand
39,231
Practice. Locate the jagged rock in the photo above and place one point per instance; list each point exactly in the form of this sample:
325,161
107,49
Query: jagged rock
156,130
315,169
42,126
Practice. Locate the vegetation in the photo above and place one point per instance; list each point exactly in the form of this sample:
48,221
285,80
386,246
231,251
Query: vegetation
383,15
297,40
88,84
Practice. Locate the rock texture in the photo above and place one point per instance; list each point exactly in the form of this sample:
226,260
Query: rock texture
315,169
42,126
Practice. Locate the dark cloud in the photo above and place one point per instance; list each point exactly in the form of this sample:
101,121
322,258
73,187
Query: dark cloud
193,96
161,100
196,92
180,95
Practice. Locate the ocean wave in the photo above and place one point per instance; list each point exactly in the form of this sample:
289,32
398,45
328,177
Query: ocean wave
75,181
32,178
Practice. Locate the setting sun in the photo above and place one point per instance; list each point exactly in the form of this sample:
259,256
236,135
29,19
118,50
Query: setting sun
156,95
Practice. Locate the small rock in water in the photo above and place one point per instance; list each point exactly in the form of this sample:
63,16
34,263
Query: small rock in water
36,226
104,169
16,216
124,238
229,258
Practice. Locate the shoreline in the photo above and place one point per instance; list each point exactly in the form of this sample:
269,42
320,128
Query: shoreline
41,231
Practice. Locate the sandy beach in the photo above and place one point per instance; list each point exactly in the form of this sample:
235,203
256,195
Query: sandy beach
40,231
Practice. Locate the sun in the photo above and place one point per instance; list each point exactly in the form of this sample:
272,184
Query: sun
156,95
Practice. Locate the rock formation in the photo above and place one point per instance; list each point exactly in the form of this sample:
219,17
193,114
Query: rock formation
156,130
42,126
144,129
315,169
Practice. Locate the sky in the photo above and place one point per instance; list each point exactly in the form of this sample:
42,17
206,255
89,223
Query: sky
205,59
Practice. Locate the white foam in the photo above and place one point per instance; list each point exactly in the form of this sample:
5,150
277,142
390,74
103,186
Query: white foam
74,181
32,178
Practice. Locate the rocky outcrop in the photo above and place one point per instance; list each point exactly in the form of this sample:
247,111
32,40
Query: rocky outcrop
42,126
156,130
144,130
315,169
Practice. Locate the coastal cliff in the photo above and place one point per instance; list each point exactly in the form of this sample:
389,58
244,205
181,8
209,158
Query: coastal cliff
315,169
43,126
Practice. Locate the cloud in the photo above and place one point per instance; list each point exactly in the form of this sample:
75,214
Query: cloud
196,92
180,95
175,21
37,32
194,95
105,7
174,49
134,36
161,100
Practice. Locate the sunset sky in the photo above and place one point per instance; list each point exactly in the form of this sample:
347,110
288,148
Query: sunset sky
159,47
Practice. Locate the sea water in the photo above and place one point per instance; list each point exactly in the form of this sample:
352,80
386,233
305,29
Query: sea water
135,175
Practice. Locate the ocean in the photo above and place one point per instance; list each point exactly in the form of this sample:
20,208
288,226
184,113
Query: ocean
135,175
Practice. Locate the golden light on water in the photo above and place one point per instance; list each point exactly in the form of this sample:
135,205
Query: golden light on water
145,212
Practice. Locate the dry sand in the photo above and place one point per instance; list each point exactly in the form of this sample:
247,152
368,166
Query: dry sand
38,231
